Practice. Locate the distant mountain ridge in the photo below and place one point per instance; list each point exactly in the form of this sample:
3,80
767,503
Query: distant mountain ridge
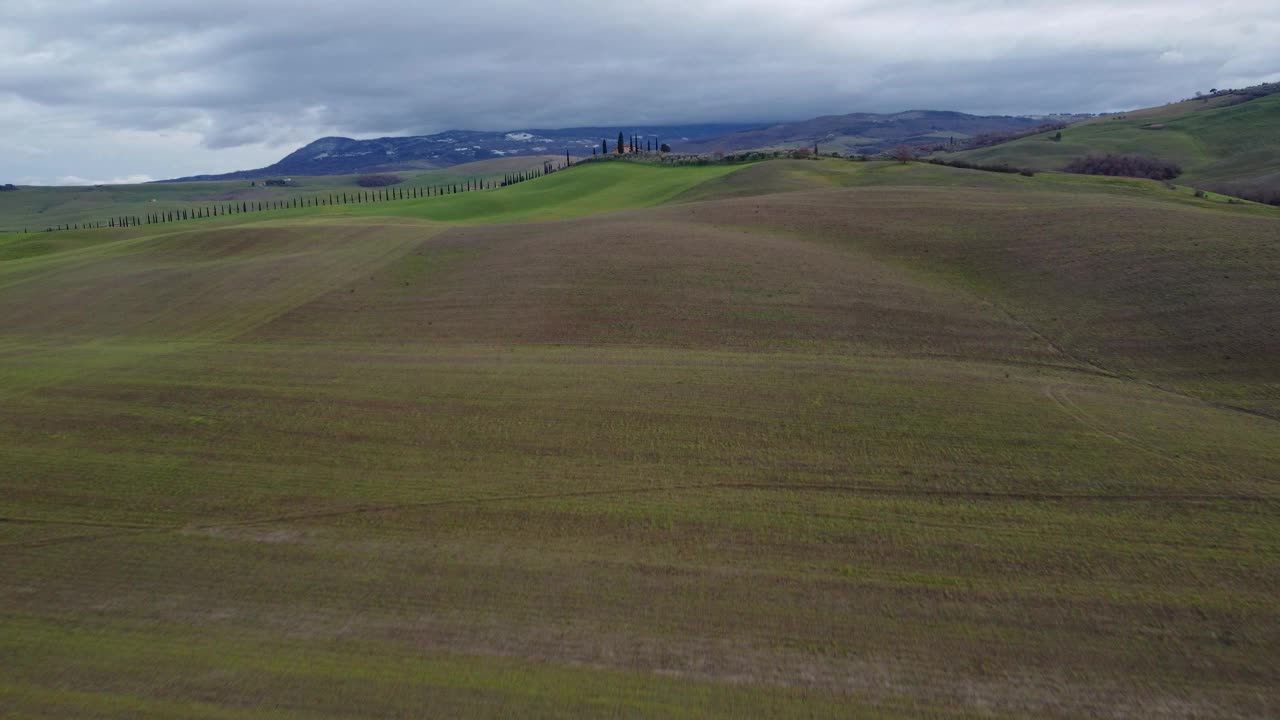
867,133
345,156
856,132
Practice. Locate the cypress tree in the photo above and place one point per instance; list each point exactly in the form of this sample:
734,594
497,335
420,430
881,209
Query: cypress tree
619,143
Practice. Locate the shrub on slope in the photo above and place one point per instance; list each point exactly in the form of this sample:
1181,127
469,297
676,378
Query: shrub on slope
1138,166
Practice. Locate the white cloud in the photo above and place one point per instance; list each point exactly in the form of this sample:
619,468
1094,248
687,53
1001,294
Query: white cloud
127,180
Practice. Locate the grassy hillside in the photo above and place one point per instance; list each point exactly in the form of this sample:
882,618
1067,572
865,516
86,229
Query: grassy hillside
900,441
1213,144
37,208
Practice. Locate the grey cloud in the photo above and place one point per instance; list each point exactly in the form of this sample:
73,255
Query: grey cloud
242,74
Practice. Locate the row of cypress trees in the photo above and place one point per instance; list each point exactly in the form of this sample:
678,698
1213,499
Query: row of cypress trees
633,144
546,169
344,198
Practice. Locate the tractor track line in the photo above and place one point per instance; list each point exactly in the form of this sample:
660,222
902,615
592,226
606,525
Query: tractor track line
867,490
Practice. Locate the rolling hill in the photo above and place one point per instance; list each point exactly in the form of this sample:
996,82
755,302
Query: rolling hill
43,207
1219,143
789,439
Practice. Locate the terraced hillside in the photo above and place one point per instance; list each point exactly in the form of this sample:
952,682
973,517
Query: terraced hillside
1215,144
802,439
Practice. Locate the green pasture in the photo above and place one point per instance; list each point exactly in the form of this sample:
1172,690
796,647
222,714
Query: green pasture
1211,143
38,208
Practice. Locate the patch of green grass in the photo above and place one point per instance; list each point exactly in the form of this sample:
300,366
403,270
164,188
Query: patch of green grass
1231,143
584,190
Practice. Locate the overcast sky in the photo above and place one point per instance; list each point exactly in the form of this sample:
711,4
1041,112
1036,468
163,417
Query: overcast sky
128,90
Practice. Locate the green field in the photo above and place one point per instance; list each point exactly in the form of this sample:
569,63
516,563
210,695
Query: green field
792,439
38,208
1212,143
